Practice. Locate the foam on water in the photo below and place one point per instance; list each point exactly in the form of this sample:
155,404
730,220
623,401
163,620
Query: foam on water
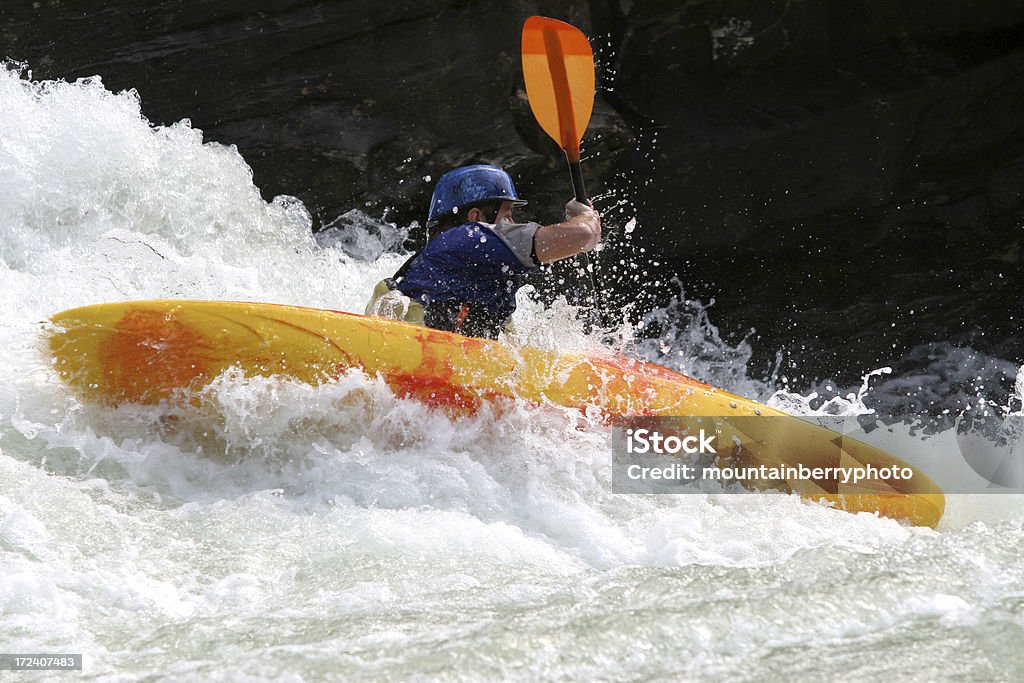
295,532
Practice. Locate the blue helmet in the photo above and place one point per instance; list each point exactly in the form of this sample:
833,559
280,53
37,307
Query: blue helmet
470,185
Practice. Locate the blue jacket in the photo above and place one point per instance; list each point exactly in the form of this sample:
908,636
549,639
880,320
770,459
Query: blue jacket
471,264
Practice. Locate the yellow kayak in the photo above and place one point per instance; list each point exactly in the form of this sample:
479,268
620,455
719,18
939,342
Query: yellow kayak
152,351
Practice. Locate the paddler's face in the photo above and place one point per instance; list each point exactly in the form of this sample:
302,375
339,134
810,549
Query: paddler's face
504,213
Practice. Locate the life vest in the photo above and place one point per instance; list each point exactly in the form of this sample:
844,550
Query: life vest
465,279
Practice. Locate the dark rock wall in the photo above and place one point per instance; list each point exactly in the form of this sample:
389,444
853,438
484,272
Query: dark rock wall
859,164
845,177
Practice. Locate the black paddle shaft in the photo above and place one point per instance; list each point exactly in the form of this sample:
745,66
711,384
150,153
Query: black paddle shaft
576,169
597,311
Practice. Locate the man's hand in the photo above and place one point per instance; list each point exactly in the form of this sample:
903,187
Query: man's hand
575,208
580,232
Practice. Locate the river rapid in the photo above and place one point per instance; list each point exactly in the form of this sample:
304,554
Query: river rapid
297,533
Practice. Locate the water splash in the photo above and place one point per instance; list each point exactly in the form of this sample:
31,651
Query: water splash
682,337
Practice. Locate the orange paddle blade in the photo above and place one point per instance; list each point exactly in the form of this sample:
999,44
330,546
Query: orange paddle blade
558,66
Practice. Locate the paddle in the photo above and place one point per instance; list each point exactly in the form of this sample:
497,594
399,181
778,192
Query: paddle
558,67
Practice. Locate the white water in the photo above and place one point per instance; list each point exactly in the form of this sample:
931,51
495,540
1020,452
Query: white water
301,534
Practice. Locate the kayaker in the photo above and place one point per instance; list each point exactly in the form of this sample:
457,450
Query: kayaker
466,277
